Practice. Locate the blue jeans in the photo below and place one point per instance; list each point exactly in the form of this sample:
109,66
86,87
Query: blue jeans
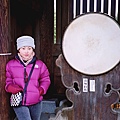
32,112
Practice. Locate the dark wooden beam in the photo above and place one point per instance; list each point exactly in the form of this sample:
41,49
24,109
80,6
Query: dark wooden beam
4,48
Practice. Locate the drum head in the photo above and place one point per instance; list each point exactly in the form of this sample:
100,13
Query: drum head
91,43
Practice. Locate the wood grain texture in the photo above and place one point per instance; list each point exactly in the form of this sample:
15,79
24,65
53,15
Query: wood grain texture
4,48
89,105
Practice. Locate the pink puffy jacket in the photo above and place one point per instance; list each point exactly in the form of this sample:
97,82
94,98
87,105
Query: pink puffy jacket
39,79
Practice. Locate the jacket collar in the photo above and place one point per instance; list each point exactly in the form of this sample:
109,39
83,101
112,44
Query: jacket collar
31,62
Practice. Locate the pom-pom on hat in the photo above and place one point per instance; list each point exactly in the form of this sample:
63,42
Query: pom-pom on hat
25,41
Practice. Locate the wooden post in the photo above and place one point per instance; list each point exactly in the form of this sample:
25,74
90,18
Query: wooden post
5,111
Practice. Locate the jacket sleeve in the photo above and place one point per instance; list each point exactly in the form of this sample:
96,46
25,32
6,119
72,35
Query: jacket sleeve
13,88
10,86
8,77
44,78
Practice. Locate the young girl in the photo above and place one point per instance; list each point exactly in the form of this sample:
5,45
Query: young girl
17,72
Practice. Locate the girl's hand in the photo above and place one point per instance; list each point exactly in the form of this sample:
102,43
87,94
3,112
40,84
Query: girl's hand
12,88
41,90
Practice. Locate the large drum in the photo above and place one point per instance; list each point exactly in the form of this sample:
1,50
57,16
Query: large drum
91,43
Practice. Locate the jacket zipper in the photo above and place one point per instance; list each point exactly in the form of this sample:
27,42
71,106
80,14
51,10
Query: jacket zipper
24,81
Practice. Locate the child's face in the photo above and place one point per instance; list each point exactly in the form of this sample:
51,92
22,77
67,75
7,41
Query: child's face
26,52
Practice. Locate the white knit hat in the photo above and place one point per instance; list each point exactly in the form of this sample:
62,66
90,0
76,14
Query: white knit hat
25,41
